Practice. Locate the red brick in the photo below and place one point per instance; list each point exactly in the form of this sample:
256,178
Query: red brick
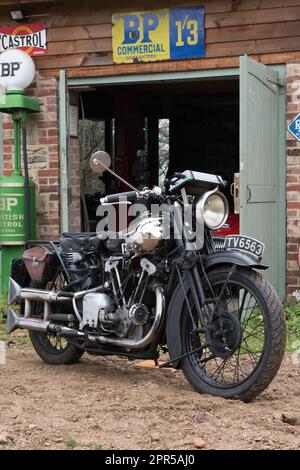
46,92
54,132
293,187
47,124
51,108
48,140
48,189
8,125
294,152
292,178
51,222
47,172
292,281
293,205
52,99
42,181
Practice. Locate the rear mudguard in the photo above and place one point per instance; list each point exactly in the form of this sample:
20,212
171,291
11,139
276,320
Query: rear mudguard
176,304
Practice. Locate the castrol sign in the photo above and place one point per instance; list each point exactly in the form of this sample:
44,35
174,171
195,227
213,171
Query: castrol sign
30,38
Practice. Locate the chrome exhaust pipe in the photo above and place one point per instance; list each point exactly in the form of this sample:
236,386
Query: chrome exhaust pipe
17,293
146,340
14,321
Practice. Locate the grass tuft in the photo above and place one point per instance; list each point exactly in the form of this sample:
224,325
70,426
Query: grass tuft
71,443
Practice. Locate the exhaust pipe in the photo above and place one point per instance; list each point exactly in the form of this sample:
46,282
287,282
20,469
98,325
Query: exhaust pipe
146,340
14,321
17,293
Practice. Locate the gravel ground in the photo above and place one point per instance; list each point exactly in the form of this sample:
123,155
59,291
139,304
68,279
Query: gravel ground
111,403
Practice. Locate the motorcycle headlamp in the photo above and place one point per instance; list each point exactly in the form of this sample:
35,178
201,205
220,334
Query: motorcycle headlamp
213,209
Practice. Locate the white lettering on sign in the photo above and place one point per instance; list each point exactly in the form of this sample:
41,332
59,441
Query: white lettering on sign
6,204
297,124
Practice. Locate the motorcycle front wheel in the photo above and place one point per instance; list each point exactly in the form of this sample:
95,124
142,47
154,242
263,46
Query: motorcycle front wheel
245,344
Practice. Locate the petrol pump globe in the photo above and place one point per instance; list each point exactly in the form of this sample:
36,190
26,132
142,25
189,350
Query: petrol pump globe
17,70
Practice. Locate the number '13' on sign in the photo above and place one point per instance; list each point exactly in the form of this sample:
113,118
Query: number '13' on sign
191,28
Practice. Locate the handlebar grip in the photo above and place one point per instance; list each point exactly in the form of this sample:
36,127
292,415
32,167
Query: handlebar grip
113,198
65,294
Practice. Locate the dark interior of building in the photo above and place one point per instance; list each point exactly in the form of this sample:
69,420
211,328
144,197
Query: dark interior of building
154,129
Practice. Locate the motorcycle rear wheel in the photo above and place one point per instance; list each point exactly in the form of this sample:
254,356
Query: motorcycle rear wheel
254,327
53,350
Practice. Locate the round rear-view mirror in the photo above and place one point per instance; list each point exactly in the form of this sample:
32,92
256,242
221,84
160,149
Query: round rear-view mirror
100,161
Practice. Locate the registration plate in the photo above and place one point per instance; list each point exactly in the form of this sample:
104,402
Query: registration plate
246,244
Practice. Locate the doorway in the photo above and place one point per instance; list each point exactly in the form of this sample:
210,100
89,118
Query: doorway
153,130
208,114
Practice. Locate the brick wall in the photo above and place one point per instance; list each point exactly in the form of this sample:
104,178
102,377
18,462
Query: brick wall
42,155
293,182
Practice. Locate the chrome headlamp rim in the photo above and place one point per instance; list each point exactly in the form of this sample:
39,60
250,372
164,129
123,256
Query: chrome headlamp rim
201,216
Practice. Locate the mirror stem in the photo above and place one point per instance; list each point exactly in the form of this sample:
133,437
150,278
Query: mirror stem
121,179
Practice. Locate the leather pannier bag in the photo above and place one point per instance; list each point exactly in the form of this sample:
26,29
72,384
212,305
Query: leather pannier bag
40,263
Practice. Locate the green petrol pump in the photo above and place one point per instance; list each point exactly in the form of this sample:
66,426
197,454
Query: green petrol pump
17,192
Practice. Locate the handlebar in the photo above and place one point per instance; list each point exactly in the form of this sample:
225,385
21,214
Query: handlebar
131,196
119,197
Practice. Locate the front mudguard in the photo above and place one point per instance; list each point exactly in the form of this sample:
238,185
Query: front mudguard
177,302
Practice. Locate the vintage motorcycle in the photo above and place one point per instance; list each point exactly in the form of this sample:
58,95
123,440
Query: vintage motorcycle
141,294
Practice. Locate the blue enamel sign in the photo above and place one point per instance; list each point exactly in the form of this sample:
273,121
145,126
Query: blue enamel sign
294,127
187,33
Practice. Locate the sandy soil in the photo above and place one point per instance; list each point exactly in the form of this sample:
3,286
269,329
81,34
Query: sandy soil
111,403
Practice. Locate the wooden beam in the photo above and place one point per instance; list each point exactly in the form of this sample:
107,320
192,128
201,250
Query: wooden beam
153,67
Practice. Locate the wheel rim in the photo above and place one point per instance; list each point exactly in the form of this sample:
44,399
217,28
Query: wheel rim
53,344
236,368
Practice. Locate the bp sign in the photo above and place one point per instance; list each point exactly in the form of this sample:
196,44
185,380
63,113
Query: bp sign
148,36
12,210
294,127
17,70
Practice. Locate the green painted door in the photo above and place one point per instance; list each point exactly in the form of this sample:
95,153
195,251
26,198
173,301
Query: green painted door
260,169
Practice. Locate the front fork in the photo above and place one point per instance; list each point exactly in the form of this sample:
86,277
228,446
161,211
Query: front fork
199,299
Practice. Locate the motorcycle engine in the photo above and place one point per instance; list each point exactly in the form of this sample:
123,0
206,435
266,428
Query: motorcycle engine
144,234
99,313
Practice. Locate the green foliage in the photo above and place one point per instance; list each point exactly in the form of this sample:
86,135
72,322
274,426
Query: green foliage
19,337
3,306
292,314
71,442
98,447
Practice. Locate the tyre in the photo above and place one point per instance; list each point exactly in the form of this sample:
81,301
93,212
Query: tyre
51,349
245,342
54,351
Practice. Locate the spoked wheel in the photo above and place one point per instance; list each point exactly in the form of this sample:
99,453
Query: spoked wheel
51,349
54,351
246,338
